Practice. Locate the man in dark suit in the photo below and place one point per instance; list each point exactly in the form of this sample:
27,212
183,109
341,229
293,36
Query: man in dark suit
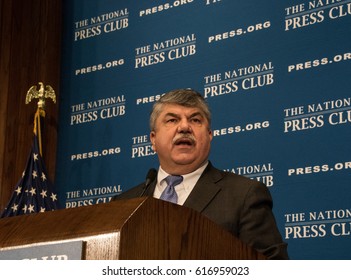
181,136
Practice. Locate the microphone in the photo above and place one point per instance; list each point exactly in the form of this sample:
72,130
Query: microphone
150,177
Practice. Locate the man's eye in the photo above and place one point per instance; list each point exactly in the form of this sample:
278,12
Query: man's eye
171,120
196,120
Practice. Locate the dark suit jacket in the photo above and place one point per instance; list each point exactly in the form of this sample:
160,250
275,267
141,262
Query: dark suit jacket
240,205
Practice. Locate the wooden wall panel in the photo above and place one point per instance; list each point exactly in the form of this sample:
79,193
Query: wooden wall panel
29,53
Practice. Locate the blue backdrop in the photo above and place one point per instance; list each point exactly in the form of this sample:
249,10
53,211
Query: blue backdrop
275,73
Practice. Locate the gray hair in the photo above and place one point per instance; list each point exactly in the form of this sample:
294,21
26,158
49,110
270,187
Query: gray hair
183,97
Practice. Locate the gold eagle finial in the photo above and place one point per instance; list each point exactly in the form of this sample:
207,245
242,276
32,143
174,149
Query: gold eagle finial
40,94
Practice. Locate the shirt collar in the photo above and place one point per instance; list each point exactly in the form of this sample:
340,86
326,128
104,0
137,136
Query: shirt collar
190,178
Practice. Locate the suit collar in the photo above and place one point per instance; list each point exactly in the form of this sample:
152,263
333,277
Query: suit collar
205,189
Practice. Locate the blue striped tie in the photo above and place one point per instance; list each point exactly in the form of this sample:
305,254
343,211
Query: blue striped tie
169,194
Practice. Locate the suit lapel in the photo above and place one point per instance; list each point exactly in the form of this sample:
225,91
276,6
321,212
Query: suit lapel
205,189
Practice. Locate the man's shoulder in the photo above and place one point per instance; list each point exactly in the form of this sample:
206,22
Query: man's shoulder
224,177
219,173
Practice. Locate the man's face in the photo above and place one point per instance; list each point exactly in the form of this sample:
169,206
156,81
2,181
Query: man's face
181,138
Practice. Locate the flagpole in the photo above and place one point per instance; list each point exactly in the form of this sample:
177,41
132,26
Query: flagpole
37,127
42,94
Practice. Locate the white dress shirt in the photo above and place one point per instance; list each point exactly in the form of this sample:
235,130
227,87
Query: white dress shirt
184,188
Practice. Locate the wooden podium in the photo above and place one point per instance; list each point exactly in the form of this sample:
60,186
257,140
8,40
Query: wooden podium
135,229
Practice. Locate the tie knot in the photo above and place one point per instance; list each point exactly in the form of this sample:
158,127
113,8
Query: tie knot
169,193
173,180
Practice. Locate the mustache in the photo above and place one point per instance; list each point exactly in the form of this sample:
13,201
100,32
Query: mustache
184,136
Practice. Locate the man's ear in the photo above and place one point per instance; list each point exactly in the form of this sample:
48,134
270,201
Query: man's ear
153,140
210,133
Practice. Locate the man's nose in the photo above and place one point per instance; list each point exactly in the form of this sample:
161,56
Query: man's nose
184,126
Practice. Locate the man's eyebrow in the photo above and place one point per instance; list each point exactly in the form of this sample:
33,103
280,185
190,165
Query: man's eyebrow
196,114
170,114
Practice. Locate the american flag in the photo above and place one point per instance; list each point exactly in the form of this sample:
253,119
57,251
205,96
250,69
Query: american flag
34,192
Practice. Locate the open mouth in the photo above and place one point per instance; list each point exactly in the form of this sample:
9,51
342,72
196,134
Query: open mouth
184,141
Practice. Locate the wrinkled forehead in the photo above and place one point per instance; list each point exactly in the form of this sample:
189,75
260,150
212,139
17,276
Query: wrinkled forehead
171,109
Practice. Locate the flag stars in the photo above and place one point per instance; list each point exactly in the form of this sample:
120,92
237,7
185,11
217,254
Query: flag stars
53,197
43,177
32,191
43,194
31,208
14,207
35,156
18,190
